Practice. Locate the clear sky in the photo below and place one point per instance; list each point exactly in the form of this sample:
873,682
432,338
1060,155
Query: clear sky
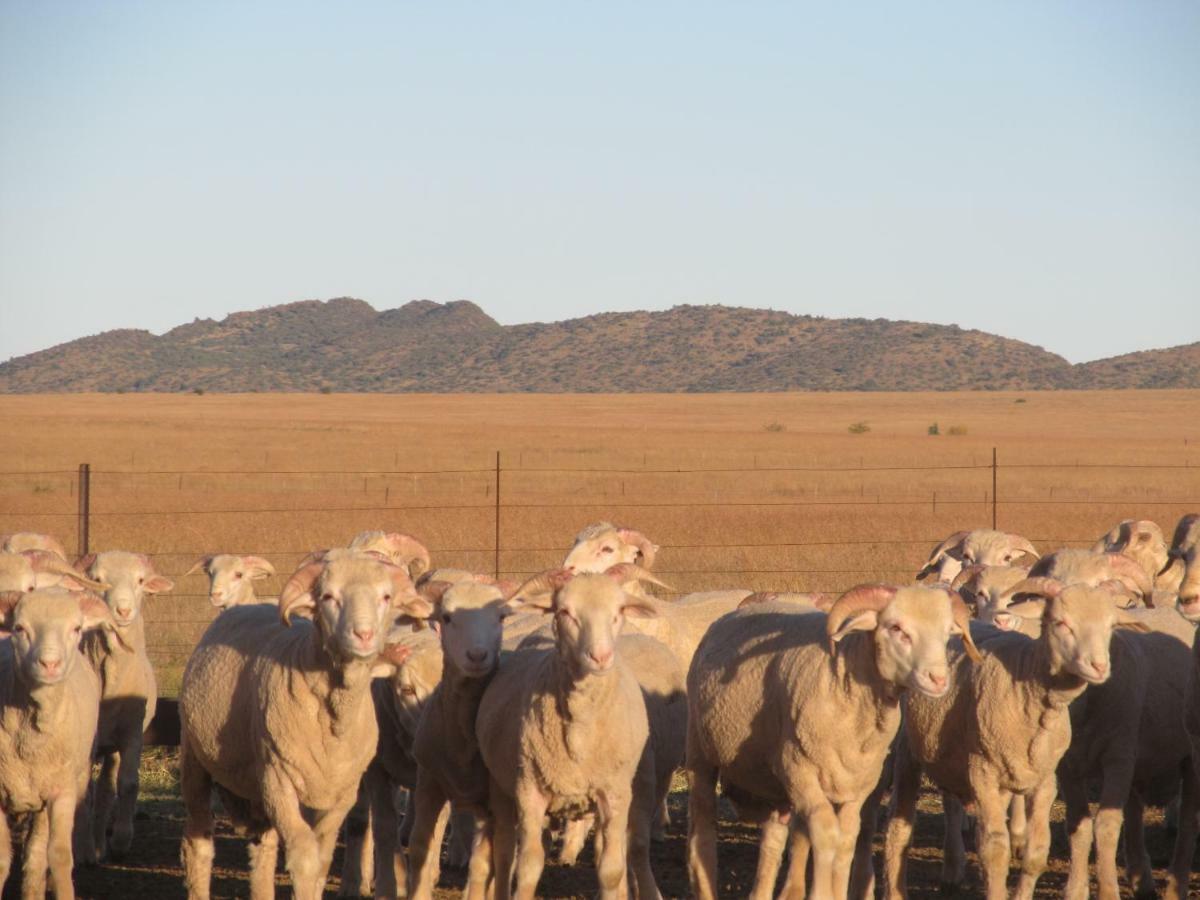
1028,168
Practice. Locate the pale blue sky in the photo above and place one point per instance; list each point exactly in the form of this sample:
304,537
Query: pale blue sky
1028,168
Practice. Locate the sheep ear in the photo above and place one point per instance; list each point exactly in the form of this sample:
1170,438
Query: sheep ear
158,584
296,596
8,602
863,620
201,566
1028,609
390,659
412,606
85,562
257,567
640,607
96,613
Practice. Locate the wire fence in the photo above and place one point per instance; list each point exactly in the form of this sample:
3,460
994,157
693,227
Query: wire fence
781,527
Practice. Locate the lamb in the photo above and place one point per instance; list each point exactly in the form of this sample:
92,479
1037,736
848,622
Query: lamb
982,547
468,615
231,577
1086,567
1003,729
564,731
49,705
129,692
792,726
279,716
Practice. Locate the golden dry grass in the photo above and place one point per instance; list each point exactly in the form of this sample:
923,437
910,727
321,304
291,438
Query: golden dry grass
804,504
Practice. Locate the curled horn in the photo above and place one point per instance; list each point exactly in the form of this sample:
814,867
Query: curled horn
413,555
201,565
624,572
53,564
864,596
962,619
967,575
646,548
1038,585
1186,524
1127,569
955,540
548,582
1024,544
433,591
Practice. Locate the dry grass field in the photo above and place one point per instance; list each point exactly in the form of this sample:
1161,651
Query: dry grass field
768,491
763,491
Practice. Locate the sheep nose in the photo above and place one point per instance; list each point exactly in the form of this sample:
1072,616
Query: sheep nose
51,666
601,657
364,633
124,611
477,656
1101,666
938,680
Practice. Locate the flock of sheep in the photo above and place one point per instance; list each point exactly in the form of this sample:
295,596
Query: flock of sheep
411,704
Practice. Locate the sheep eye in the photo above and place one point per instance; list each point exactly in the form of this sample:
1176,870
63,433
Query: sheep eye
408,691
446,618
1061,623
19,629
327,596
237,574
141,580
387,597
606,549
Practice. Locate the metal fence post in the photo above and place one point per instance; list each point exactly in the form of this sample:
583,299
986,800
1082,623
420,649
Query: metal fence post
496,560
993,489
85,503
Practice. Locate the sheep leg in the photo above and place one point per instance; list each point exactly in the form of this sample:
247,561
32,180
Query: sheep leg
1079,831
991,826
954,853
575,832
824,829
906,784
641,821
406,821
662,816
282,806
795,886
33,868
772,837
849,820
1137,860
1018,825
862,874
504,820
264,852
390,871
60,856
462,839
358,859
531,856
104,793
1185,837
431,810
325,828
702,825
1037,849
81,833
128,761
195,785
614,809
479,867
1114,793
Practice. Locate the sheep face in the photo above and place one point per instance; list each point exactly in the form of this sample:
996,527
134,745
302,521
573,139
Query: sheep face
469,617
1077,624
986,589
46,627
1189,590
589,612
1139,539
231,577
601,546
982,547
130,577
910,640
354,601
416,680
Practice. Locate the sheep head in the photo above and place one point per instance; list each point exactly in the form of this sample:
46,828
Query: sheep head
469,616
46,627
982,546
231,577
601,546
1077,622
983,586
354,600
130,578
1139,539
910,626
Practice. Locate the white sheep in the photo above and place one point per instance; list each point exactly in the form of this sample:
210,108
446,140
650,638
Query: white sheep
1003,730
129,691
983,547
563,732
279,717
601,546
794,712
49,704
231,577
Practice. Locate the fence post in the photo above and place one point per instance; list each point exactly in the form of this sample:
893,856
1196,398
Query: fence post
993,489
496,561
85,503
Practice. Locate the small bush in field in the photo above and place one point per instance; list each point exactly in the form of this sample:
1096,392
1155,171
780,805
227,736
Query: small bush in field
859,428
933,429
957,430
775,427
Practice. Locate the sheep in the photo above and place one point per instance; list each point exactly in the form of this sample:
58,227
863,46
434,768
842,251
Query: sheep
468,615
979,547
231,577
563,731
23,571
278,715
1143,542
49,706
985,587
32,540
601,546
793,725
129,692
1086,567
1003,728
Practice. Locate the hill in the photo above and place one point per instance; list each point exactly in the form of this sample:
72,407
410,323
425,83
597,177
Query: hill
346,345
